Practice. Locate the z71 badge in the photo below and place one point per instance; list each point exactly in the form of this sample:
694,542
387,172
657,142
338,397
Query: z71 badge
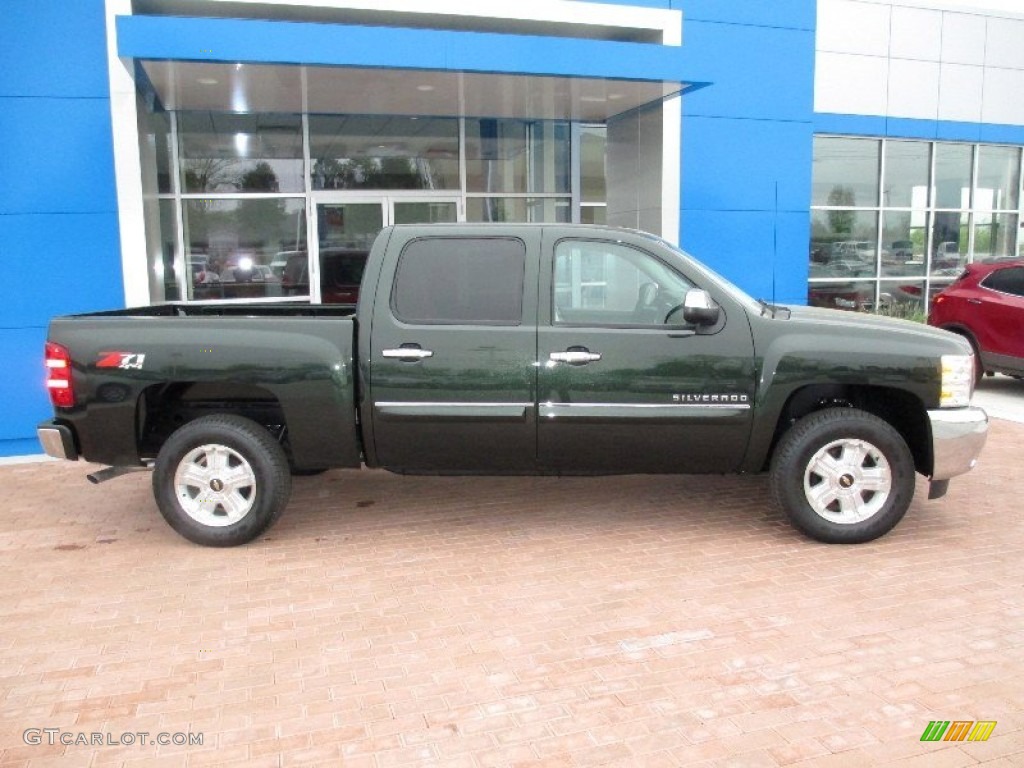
125,360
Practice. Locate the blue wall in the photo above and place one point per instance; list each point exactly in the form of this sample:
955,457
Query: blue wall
747,142
58,211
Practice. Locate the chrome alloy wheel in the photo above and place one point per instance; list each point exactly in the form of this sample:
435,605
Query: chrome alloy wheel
215,485
847,481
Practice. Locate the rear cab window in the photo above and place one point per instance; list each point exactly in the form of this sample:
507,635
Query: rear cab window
460,281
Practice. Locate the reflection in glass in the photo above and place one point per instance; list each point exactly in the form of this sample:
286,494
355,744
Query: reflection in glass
593,214
388,152
845,172
906,174
222,152
517,156
993,236
345,233
858,296
518,209
843,243
904,242
949,242
236,248
593,139
162,245
903,299
425,213
998,178
952,175
155,148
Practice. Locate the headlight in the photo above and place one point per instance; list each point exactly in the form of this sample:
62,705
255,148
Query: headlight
957,381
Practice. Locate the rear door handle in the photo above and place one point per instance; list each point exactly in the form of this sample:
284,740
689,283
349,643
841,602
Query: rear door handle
974,301
407,354
575,356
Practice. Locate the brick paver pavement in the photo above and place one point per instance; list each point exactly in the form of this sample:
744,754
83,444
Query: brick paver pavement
403,621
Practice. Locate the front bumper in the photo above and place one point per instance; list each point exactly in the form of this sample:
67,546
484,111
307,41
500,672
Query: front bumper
57,440
958,435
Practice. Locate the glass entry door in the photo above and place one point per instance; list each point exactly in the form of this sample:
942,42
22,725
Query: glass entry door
345,230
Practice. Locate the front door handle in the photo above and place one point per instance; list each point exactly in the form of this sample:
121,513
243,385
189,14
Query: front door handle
407,354
974,301
575,356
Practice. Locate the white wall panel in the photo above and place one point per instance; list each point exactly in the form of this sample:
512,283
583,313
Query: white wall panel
1003,96
850,84
916,34
850,26
913,89
1004,45
963,38
960,90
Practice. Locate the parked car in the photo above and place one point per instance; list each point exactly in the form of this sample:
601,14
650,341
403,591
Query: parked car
986,305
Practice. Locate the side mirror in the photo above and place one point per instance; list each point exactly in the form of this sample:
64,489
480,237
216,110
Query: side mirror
699,308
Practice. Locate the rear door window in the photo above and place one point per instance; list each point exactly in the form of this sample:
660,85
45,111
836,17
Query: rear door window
1010,280
460,281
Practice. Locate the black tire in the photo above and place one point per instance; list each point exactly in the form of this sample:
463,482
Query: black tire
230,467
862,451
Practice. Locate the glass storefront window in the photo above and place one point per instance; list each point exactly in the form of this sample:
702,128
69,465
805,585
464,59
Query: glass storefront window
518,209
845,172
953,175
857,296
906,174
903,299
998,179
162,240
943,205
231,153
844,243
235,248
387,152
155,141
593,144
904,242
593,214
993,236
517,156
949,242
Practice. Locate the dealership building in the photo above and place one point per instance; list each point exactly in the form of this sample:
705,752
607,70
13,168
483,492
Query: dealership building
845,153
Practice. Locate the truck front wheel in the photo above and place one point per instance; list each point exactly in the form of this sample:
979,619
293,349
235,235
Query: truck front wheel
843,476
221,480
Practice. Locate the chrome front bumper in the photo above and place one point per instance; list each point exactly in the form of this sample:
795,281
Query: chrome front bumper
57,440
958,435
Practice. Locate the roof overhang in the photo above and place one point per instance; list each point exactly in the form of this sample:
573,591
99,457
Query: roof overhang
273,66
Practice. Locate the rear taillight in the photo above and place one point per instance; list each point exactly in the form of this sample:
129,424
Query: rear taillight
58,376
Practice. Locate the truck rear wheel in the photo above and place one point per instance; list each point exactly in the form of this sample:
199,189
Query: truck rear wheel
221,480
843,476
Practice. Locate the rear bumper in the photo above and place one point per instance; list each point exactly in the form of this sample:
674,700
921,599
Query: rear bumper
57,440
958,436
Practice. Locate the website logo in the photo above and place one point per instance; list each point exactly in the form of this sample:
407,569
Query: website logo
958,730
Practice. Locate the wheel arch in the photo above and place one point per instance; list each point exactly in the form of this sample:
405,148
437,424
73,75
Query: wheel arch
901,409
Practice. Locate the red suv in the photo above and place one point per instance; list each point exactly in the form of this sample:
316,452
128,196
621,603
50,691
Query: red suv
986,304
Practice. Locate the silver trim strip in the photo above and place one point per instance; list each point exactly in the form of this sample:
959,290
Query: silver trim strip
423,410
734,406
409,404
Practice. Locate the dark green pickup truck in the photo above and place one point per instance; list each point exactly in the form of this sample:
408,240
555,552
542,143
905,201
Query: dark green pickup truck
516,349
